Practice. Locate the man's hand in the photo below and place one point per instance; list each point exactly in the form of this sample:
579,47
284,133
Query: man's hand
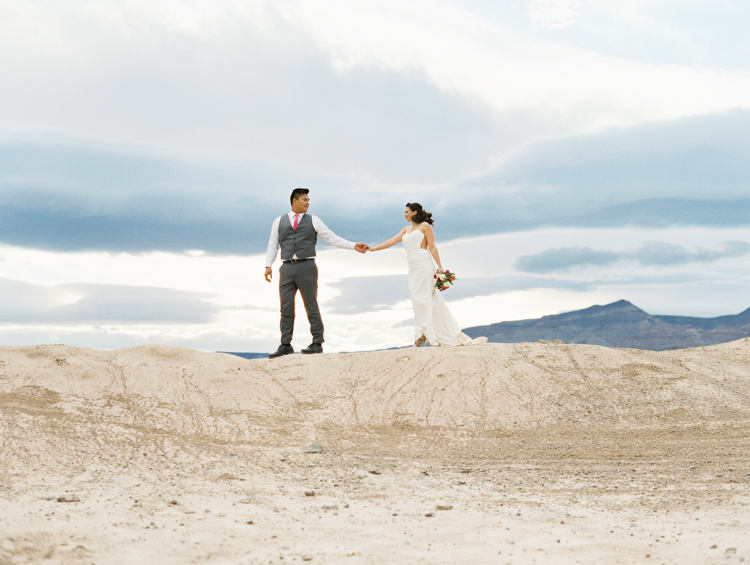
268,274
361,247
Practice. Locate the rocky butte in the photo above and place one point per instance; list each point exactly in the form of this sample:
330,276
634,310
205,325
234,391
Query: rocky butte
621,324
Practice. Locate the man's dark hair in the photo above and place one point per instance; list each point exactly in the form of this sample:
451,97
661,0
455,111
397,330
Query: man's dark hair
296,193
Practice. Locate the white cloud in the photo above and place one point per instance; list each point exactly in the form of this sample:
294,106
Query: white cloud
553,14
346,86
571,89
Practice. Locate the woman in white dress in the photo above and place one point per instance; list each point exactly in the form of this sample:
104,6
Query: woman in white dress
433,321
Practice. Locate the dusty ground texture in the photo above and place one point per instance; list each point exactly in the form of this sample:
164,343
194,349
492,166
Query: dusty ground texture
526,453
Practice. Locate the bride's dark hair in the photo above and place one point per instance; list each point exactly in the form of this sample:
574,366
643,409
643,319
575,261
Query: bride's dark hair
421,215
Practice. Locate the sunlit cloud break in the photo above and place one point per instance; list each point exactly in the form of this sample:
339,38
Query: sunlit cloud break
553,14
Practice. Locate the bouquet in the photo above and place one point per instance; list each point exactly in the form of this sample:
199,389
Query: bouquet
443,281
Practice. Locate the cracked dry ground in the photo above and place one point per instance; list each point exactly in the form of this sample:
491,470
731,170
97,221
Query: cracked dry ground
534,454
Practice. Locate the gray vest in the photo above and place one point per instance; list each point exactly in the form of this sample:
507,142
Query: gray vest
300,242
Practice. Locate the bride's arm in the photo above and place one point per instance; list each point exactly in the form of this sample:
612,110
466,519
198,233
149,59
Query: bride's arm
430,237
390,243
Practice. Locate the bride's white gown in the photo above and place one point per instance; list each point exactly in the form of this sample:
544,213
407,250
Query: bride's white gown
432,318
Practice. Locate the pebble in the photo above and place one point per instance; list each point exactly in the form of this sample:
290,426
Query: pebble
309,493
714,546
466,470
730,551
314,448
430,514
307,557
285,454
444,507
375,471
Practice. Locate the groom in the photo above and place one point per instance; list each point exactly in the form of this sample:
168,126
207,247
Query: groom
296,233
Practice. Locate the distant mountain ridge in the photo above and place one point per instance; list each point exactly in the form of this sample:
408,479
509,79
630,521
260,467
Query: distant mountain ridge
246,355
621,324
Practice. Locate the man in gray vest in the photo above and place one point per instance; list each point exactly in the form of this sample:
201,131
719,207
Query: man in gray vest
296,233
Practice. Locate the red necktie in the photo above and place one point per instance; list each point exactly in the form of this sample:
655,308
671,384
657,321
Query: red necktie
296,221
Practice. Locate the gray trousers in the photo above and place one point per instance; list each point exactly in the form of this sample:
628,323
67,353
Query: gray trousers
302,276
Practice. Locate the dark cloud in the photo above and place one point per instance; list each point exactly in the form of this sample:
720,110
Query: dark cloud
72,198
25,303
667,254
75,197
654,253
692,171
564,258
679,159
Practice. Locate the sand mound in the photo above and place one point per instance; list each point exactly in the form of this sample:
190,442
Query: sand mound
528,453
498,386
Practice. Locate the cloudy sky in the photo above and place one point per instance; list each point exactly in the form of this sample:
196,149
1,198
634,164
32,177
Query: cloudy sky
573,152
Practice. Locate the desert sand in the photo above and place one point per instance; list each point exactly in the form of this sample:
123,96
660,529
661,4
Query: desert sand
500,453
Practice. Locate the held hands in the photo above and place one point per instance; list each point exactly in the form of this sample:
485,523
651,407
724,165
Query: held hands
360,247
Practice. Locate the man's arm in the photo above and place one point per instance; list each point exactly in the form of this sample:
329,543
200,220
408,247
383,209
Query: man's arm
273,249
325,233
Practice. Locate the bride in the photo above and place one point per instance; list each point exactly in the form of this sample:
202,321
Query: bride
433,321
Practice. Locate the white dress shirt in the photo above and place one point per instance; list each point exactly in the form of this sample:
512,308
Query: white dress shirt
320,228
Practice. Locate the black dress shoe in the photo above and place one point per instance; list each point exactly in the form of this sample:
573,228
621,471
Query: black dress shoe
313,348
282,350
